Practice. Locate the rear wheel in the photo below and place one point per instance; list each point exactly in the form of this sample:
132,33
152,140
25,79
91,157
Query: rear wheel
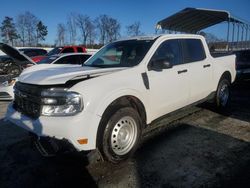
121,136
222,94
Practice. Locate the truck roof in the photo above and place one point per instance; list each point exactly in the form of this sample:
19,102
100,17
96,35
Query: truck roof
153,37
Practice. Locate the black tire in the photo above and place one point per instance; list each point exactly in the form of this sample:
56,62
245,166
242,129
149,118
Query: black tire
222,96
14,70
115,142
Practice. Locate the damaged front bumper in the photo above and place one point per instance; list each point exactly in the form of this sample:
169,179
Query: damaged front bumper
48,146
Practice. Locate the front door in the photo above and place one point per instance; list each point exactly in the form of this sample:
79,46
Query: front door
168,88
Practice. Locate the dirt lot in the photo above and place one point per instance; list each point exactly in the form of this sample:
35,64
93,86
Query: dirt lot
203,148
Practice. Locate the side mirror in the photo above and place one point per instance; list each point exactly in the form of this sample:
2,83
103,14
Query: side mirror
159,64
165,64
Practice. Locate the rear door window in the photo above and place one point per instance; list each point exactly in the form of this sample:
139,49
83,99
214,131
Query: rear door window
68,60
68,50
79,49
193,50
30,53
84,58
41,52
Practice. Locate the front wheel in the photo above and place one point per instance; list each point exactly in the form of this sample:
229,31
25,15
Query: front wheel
121,135
222,94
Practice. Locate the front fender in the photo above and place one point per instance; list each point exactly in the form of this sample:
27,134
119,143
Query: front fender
111,97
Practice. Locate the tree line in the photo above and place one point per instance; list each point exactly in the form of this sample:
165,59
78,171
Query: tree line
28,30
89,32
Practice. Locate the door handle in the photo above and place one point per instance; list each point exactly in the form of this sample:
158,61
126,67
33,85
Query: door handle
182,71
205,66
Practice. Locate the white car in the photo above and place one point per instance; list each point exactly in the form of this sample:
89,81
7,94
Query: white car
6,88
119,91
67,58
21,61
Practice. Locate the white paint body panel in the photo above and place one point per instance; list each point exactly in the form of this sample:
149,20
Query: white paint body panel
6,89
168,91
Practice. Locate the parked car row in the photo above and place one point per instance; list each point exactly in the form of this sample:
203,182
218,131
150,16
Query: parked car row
8,64
61,50
16,61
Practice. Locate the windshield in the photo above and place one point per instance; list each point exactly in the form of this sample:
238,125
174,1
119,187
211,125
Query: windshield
54,51
48,60
120,54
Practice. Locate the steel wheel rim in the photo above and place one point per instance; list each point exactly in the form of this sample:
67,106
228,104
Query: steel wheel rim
124,135
224,94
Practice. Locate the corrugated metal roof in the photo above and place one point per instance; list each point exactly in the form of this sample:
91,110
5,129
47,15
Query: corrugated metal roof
195,19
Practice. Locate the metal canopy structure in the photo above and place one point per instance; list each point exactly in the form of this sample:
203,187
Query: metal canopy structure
193,20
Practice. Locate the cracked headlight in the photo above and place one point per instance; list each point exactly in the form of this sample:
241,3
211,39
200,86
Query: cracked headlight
60,102
9,82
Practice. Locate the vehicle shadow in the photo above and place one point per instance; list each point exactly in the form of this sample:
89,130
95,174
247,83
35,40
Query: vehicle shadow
22,165
183,156
238,107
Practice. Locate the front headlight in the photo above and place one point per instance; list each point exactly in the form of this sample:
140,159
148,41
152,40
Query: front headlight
60,102
9,82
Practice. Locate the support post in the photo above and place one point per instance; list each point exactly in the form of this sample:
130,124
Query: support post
242,33
233,36
228,27
238,28
246,46
246,37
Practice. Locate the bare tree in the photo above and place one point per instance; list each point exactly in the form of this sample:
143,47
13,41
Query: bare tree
92,33
61,32
109,28
86,27
72,28
101,24
210,38
26,26
113,29
134,29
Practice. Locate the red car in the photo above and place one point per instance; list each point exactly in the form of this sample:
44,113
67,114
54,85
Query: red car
60,50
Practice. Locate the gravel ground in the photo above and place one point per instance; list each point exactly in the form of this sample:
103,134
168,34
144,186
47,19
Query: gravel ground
203,148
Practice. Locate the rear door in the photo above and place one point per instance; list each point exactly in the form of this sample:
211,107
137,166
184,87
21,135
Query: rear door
79,49
200,69
71,59
68,50
84,58
169,88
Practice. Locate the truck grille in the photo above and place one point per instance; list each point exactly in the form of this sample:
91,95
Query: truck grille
27,99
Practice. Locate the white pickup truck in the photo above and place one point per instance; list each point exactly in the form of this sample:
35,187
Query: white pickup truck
106,103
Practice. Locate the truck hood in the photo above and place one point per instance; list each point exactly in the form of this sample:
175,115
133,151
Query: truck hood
18,56
52,74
